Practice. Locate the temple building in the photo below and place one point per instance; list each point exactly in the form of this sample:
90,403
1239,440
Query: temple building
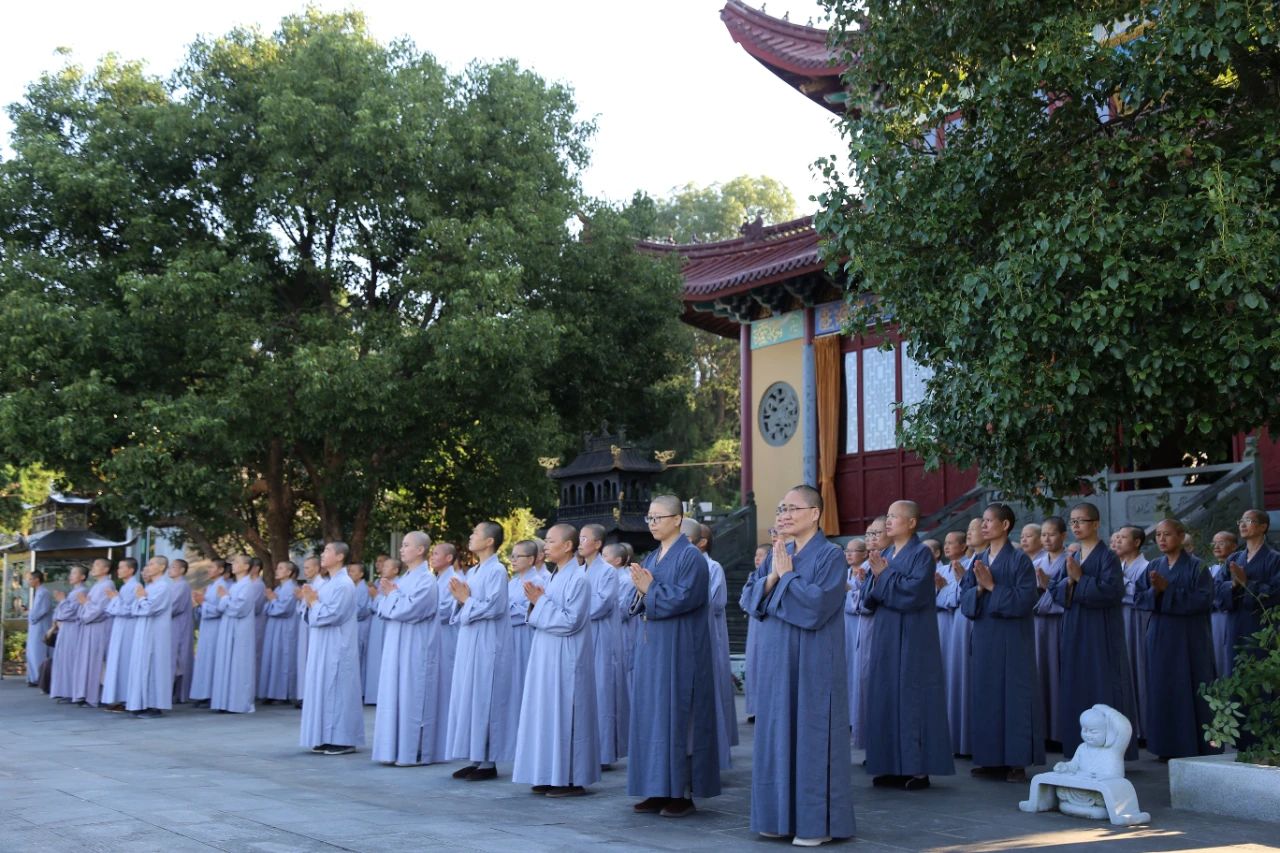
820,405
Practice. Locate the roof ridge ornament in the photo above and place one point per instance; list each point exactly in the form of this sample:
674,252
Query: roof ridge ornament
752,231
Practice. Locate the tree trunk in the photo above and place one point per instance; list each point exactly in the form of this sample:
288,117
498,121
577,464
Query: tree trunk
280,505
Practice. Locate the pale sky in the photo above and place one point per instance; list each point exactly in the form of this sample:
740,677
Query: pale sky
675,99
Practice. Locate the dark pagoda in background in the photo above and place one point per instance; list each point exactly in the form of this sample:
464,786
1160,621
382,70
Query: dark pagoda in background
609,484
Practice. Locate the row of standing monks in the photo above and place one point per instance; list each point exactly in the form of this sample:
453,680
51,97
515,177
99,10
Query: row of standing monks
815,675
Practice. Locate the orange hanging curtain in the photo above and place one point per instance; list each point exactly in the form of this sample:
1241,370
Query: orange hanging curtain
826,363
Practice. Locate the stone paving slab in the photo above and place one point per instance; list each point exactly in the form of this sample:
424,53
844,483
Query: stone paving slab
77,780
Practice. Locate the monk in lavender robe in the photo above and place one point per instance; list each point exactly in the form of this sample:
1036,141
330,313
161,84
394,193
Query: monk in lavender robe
1127,544
479,727
855,553
95,626
606,628
907,734
1094,663
557,749
752,658
388,569
206,606
332,713
151,661
954,644
314,579
618,555
67,617
442,562
800,783
998,594
407,714
717,601
1177,592
674,749
1047,617
278,669
181,630
115,676
259,614
39,620
234,673
1224,545
364,617
523,569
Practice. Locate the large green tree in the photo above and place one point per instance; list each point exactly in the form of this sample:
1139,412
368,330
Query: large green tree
1086,255
309,279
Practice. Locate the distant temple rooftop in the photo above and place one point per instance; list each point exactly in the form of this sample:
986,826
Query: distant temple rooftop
797,54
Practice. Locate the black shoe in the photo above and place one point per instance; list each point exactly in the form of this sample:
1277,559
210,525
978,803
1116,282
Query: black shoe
605,768
541,789
203,703
653,805
888,780
338,749
567,791
1016,774
915,783
678,808
481,774
751,718
63,700
989,772
322,747
464,772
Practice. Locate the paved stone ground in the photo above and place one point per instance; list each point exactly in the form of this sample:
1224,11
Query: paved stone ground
77,779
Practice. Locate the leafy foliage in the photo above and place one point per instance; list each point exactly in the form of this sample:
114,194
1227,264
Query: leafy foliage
1247,702
312,283
1088,263
716,211
21,487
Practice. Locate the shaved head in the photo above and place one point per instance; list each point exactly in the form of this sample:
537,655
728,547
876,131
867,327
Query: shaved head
669,503
691,529
908,509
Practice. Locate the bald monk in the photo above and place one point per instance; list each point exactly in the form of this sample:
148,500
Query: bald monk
907,735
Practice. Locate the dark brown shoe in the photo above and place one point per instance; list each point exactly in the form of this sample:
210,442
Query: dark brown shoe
678,808
541,789
653,805
480,774
1016,774
464,772
567,791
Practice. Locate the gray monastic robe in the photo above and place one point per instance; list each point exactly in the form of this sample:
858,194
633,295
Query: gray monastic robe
332,712
115,676
611,688
39,620
182,635
726,714
95,627
407,719
278,669
67,649
207,646
151,661
479,728
234,672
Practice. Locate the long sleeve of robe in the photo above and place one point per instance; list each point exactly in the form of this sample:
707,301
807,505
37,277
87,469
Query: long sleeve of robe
1094,661
749,679
234,671
115,675
1245,605
1047,622
407,718
65,652
151,660
673,744
726,715
448,651
1220,622
278,669
207,645
181,635
364,624
521,637
95,625
611,687
1179,656
332,712
1135,632
907,733
39,620
953,638
304,635
259,624
479,728
630,632
800,774
1006,718
558,739
373,653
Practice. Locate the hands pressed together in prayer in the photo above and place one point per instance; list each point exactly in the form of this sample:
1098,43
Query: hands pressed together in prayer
982,573
1042,580
641,577
939,582
270,594
309,595
297,592
459,590
1158,581
957,569
860,573
387,586
531,591
111,593
1074,570
140,591
82,598
222,592
1238,577
877,562
373,591
59,596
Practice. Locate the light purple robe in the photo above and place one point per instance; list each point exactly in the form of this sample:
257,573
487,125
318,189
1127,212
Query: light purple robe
278,669
521,635
726,714
479,728
332,712
39,618
151,660
1220,625
67,648
407,728
558,739
1135,638
207,646
304,635
364,623
259,623
631,626
448,648
95,626
611,687
373,652
234,672
1048,630
115,677
181,634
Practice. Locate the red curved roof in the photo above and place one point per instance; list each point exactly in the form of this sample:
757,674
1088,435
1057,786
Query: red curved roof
774,253
797,54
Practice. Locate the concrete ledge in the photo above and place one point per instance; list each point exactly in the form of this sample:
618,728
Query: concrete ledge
1218,784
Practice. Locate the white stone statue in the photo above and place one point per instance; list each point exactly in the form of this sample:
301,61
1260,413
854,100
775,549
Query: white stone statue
1092,783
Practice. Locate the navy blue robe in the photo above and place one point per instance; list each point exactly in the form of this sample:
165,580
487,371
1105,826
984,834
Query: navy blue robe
1179,656
1006,718
1093,662
907,732
1244,606
673,745
800,764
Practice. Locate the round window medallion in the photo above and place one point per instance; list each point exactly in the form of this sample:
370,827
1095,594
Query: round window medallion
779,414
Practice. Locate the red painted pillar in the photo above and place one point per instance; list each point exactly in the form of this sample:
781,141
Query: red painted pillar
744,392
